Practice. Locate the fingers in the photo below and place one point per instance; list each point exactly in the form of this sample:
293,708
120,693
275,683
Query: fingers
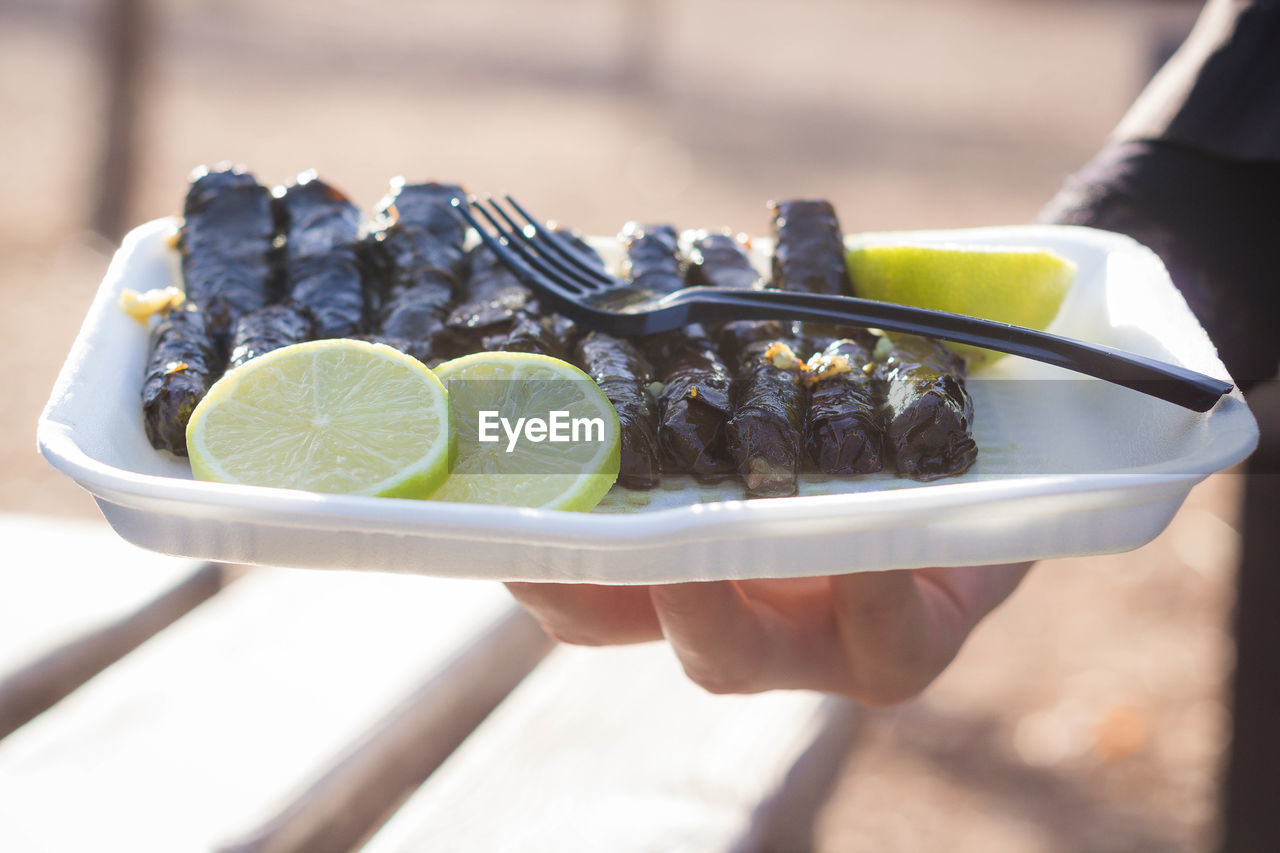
714,633
589,614
976,590
729,642
895,640
900,629
726,641
878,637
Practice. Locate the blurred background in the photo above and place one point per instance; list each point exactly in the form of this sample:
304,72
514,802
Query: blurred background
1088,713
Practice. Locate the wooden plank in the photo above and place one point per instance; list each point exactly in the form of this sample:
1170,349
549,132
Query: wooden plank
74,598
349,800
614,749
221,721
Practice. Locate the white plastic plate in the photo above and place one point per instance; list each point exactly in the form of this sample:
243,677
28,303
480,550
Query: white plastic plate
1067,465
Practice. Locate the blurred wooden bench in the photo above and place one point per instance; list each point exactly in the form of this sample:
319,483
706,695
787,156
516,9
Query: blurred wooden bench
156,704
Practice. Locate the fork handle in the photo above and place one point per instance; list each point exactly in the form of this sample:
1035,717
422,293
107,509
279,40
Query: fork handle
1168,382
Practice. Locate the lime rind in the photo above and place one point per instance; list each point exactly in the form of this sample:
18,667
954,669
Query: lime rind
238,397
490,476
1020,285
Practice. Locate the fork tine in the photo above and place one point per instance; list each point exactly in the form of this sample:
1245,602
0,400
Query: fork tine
536,263
463,206
562,247
584,278
499,244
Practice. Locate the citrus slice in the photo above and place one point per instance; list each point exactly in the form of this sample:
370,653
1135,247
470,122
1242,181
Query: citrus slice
1011,284
338,416
530,430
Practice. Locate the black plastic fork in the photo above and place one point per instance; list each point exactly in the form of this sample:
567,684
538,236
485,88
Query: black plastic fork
576,286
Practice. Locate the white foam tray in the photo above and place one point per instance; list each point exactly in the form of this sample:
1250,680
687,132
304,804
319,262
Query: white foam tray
1068,466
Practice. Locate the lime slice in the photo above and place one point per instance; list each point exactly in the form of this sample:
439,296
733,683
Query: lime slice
1011,284
338,416
530,430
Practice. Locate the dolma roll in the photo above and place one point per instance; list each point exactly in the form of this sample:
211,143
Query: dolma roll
226,244
586,252
624,375
808,251
492,301
694,403
694,409
928,410
319,226
551,335
720,259
505,315
809,257
413,318
844,431
183,364
652,259
412,260
765,434
416,228
539,331
270,328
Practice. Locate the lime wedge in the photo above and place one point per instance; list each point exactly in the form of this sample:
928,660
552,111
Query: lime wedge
530,430
1011,284
338,416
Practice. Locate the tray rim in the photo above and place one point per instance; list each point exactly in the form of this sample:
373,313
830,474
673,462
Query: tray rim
606,531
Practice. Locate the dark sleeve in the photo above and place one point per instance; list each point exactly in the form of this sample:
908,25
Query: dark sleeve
1214,223
1220,93
1193,173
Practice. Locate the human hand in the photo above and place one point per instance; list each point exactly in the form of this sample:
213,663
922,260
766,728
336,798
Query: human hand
878,637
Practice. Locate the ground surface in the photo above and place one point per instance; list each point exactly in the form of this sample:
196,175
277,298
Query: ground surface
1087,714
